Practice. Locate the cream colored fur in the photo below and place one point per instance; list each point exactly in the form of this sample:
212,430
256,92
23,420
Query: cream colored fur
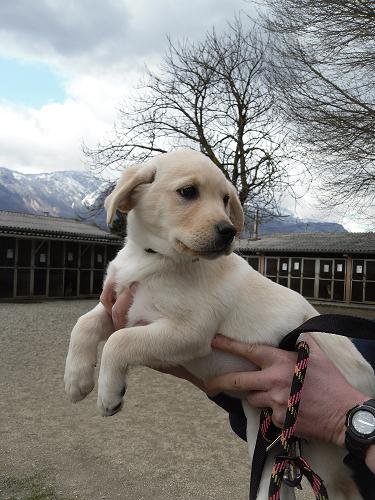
187,292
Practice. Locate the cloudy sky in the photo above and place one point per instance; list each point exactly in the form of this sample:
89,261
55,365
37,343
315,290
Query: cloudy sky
67,65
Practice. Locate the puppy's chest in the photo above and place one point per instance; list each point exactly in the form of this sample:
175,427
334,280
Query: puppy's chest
168,291
175,299
144,308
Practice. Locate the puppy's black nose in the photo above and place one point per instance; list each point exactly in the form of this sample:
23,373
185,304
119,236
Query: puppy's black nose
226,232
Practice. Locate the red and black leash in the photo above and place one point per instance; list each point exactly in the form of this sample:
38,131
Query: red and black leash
289,466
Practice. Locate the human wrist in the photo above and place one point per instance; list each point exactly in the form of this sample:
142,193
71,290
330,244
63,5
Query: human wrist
352,399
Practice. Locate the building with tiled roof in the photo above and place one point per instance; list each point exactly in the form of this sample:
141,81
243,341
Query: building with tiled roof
51,257
50,226
337,267
353,243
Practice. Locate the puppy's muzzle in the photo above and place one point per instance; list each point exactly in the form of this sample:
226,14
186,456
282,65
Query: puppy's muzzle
225,233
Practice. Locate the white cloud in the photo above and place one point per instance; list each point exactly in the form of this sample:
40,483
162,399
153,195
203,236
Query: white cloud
107,37
71,30
50,138
99,49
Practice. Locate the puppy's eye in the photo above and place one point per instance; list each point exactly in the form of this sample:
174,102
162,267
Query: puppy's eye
226,199
188,192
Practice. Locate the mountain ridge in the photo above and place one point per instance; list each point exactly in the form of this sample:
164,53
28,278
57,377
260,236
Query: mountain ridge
58,193
70,193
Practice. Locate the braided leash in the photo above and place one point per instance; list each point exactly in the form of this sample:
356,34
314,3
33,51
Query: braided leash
287,462
289,466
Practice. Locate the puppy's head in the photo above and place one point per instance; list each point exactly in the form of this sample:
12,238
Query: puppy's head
179,202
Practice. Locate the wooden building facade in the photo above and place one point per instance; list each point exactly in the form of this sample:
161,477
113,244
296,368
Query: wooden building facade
333,267
52,257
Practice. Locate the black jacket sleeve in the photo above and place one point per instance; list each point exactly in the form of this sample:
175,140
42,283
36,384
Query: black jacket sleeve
237,417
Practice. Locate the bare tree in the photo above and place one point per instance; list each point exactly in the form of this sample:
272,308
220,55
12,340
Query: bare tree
212,96
324,72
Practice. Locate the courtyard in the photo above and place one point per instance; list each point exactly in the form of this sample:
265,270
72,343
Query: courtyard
169,442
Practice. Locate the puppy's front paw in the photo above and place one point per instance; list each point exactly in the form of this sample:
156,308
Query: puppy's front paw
111,390
79,377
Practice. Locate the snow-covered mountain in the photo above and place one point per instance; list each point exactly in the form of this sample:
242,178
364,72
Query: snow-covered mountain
293,225
71,193
64,194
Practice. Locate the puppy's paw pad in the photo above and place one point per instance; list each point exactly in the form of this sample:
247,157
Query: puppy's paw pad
79,381
109,406
108,412
77,391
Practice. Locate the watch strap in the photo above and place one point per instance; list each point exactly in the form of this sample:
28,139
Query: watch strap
356,449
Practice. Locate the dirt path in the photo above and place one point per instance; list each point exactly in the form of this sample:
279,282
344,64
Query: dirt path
169,442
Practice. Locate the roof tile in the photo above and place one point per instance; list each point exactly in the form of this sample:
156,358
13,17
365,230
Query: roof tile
45,224
353,243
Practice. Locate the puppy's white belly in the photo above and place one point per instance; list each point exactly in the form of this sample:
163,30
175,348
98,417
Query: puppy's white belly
218,363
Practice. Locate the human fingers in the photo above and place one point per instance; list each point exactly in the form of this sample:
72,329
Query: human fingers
121,307
259,354
265,399
108,295
238,382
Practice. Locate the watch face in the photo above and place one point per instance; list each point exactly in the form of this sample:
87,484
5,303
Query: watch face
363,422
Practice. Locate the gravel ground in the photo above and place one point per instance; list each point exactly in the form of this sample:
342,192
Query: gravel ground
169,442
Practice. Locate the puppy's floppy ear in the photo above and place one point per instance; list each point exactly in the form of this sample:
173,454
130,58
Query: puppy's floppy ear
235,209
121,197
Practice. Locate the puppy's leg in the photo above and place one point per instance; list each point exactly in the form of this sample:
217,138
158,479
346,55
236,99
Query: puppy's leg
91,329
252,415
327,461
155,344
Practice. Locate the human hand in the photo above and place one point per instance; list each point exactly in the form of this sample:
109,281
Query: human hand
117,306
326,396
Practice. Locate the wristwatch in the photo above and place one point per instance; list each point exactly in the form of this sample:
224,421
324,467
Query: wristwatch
360,428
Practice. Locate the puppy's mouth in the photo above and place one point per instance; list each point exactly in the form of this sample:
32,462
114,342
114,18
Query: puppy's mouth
208,253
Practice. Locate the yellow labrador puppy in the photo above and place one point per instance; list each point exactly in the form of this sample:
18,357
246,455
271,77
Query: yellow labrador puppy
183,216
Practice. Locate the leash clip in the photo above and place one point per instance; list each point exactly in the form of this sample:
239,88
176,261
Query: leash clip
292,474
